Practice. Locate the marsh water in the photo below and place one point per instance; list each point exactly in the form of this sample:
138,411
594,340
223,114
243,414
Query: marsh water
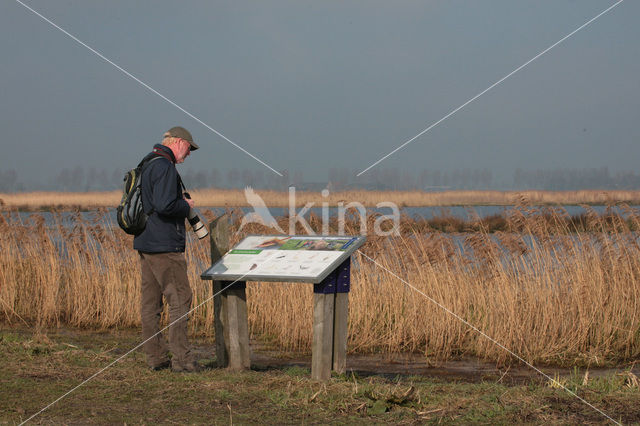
460,212
107,218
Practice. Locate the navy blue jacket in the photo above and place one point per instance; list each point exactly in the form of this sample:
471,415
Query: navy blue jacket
162,198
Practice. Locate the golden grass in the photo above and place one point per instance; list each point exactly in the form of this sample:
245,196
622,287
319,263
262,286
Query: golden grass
236,198
542,290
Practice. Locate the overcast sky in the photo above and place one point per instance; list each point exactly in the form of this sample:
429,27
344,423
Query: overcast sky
311,85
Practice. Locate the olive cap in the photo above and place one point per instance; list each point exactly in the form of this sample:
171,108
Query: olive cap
182,133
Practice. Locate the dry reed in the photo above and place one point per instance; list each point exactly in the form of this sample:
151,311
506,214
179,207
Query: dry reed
549,293
236,198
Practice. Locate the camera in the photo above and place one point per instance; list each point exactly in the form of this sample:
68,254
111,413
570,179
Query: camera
196,224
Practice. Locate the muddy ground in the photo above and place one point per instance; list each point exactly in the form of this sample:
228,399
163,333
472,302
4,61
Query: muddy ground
37,369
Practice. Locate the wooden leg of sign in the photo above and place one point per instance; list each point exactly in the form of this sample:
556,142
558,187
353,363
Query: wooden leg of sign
322,350
237,329
219,238
340,328
231,326
341,316
220,318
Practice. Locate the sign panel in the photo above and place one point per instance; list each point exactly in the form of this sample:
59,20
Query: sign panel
283,258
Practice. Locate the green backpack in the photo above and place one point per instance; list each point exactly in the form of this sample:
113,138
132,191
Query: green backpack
131,216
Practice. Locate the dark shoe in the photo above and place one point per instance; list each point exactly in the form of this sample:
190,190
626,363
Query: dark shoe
161,366
187,367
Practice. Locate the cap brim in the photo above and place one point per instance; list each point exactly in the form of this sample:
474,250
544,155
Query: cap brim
194,146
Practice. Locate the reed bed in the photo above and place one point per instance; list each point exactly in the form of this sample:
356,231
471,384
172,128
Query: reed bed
234,197
539,287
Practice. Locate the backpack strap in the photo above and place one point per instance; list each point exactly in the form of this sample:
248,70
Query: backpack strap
162,154
143,166
181,184
146,160
144,163
159,154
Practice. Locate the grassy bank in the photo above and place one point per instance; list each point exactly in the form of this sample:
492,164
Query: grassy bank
232,197
38,369
546,292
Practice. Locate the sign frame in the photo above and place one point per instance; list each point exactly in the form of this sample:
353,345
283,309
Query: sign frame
357,242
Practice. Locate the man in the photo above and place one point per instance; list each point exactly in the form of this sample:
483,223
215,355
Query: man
161,248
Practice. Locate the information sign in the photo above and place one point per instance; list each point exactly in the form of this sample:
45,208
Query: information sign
283,258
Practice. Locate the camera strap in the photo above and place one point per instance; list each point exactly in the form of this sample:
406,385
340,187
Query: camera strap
162,154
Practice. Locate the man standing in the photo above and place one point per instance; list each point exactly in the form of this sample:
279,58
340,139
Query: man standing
161,248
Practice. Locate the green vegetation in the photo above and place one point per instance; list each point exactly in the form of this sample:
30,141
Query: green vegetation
37,369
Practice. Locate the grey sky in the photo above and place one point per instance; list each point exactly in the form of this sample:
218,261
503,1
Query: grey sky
311,85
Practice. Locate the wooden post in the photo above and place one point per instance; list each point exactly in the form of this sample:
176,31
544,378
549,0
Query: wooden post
219,317
341,316
340,328
330,323
230,307
322,350
219,236
237,328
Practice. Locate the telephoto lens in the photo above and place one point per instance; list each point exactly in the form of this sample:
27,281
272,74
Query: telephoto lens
198,227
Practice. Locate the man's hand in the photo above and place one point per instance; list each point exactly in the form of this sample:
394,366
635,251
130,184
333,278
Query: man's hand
190,202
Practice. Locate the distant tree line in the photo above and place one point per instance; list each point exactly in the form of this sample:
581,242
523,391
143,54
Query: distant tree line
79,179
482,179
384,179
381,179
9,181
574,179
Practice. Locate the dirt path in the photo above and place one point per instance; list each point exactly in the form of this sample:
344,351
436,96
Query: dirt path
470,370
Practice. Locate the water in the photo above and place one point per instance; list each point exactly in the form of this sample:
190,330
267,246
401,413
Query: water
459,240
464,213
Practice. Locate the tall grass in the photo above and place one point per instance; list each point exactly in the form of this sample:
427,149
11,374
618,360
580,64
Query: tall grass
549,293
235,197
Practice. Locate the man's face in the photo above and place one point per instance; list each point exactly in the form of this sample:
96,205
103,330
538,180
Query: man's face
182,151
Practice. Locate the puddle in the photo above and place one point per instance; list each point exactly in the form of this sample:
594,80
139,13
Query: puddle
470,370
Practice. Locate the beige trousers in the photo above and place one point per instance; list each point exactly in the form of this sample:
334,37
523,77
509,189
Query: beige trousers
165,274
